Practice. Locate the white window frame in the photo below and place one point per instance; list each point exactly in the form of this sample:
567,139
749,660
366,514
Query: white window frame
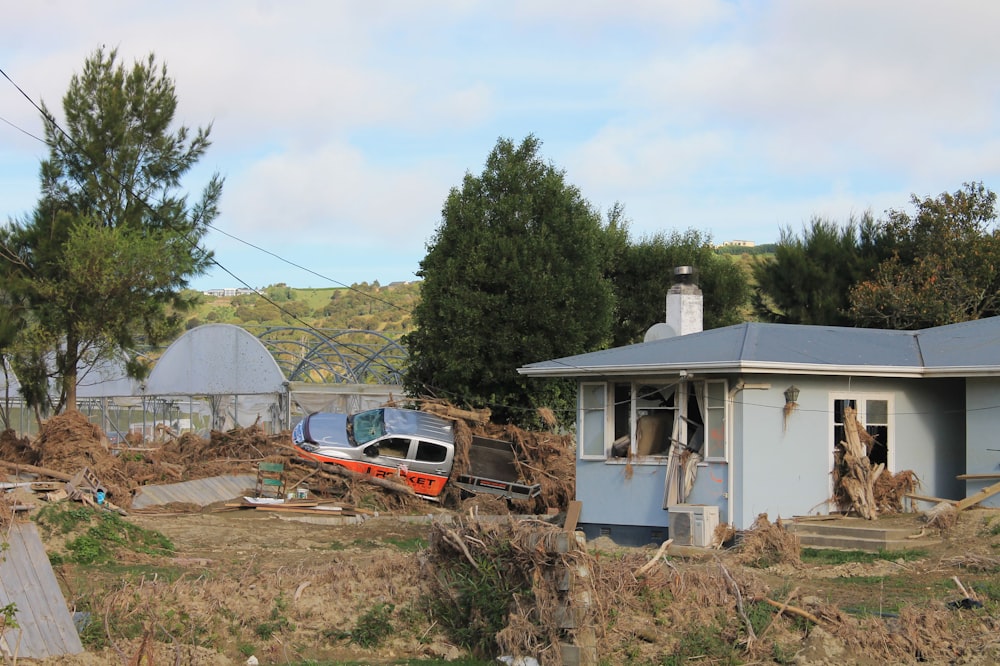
862,398
607,423
709,408
582,432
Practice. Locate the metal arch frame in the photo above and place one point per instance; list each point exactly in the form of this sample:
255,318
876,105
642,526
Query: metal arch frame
349,362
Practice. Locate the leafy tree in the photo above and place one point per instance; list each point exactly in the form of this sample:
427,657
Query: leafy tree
946,268
111,244
513,275
643,273
810,277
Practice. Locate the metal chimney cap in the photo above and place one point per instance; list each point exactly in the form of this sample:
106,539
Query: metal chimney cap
684,274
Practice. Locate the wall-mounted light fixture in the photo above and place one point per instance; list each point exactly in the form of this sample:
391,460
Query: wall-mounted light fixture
791,394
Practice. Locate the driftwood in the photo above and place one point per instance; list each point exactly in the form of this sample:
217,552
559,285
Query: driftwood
447,411
656,558
859,476
42,471
781,609
364,478
785,608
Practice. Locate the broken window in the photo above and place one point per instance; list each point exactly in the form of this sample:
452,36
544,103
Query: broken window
873,414
656,410
394,447
645,420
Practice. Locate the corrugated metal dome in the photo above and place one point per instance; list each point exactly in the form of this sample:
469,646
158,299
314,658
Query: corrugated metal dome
215,359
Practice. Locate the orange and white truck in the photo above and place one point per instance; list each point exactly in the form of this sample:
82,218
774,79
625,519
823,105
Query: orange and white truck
411,446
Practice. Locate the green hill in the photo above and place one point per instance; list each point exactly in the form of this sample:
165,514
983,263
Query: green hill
364,306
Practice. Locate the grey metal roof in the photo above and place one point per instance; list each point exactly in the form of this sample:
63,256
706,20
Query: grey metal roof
45,626
956,349
971,345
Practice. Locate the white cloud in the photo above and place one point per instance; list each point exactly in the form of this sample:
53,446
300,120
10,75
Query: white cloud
346,123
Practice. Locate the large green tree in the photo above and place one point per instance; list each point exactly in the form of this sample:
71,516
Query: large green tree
643,272
514,274
104,257
808,281
946,267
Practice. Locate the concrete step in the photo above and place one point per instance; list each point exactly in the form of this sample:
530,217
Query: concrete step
858,534
854,543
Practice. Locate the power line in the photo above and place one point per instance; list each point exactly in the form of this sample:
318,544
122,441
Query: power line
194,245
48,118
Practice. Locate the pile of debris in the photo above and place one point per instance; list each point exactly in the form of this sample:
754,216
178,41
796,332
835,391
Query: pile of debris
69,445
867,489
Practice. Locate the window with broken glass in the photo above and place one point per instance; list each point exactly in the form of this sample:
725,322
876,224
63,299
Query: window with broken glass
649,421
873,413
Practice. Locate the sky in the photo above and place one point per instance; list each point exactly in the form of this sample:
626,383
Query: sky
341,126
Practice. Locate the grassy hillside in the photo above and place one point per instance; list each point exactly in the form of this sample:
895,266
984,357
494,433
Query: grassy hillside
386,309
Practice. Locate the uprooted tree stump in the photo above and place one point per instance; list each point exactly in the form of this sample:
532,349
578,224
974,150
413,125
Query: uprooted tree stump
859,477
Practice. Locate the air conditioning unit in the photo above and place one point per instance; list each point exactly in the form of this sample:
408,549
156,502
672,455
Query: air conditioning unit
693,524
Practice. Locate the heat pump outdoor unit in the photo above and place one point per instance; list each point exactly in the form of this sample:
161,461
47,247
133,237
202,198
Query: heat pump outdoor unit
693,524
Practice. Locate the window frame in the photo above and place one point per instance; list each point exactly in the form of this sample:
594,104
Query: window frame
582,422
710,408
861,398
681,389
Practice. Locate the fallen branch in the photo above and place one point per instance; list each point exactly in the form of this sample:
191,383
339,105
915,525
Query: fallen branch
751,636
454,539
659,553
43,471
792,609
781,609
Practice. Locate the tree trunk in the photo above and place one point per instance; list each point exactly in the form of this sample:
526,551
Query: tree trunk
859,477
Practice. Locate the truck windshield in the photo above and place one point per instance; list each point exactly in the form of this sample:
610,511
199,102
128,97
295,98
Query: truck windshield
366,426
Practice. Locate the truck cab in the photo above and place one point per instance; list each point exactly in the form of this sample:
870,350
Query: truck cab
412,446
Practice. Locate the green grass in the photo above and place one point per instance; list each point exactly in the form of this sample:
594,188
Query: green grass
99,534
828,556
410,545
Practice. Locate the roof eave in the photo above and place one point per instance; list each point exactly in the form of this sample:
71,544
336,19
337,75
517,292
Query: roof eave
727,367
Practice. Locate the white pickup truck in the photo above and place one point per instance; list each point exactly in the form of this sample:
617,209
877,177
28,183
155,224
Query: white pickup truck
412,446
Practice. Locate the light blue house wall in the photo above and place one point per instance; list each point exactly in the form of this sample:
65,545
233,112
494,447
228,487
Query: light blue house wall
783,466
619,503
983,430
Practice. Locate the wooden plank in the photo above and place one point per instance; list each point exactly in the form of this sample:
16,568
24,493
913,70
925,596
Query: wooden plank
928,498
573,515
972,500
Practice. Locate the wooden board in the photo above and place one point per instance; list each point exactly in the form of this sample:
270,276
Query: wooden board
972,500
573,515
927,498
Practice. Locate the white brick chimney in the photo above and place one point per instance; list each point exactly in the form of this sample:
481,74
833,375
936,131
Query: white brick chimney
684,302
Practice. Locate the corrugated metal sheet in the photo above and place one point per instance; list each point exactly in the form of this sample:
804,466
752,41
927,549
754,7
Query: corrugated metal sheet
27,580
200,491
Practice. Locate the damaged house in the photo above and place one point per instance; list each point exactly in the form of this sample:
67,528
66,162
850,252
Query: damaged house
694,428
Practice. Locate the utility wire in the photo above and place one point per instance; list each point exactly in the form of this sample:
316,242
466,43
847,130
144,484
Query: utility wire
194,245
